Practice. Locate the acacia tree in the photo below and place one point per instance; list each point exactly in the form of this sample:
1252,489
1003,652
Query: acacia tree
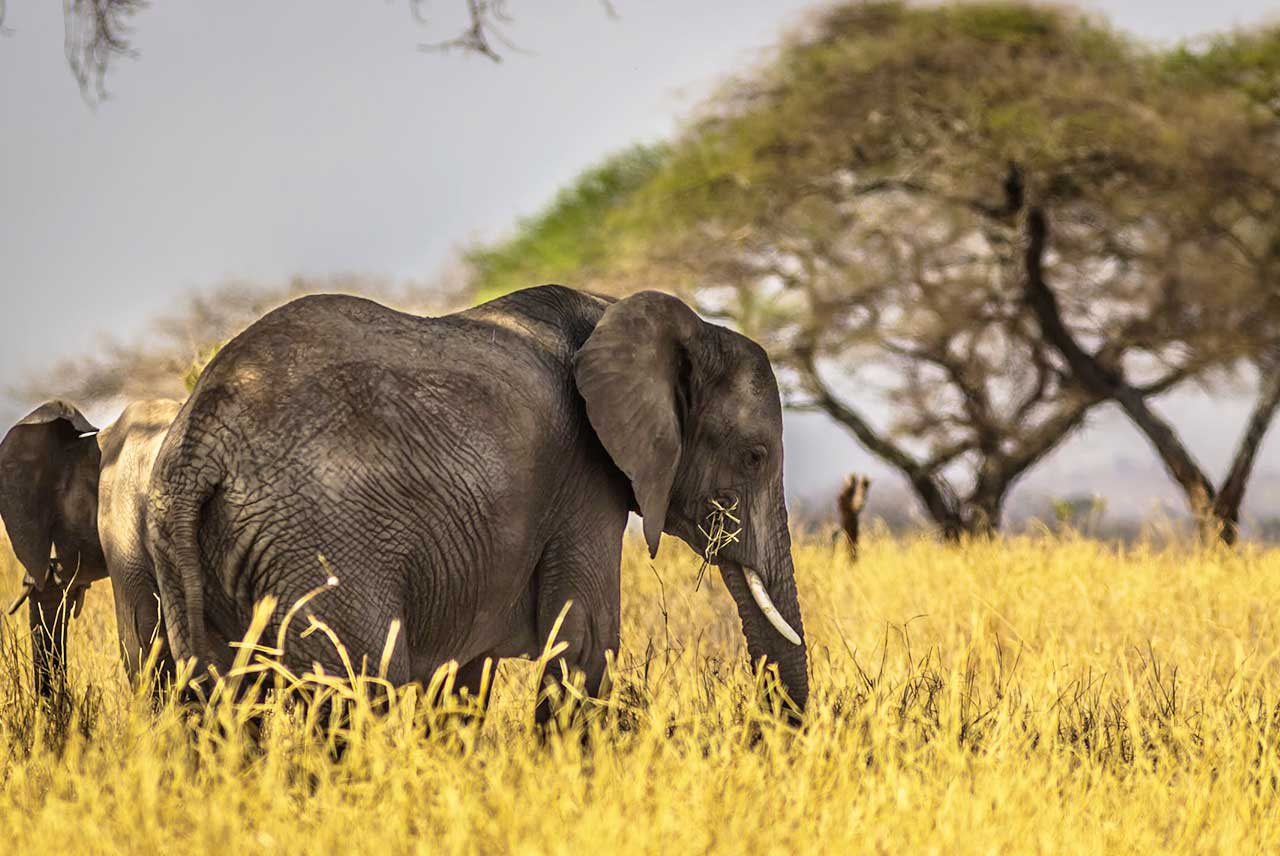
857,206
1216,510
1235,200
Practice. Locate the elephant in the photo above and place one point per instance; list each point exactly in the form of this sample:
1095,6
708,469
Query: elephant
469,476
83,492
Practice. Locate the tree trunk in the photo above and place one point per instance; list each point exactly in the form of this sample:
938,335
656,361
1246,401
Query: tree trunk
1216,515
984,513
981,512
936,498
1226,507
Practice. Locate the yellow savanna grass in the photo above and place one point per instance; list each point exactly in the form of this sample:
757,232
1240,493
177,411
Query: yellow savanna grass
1013,696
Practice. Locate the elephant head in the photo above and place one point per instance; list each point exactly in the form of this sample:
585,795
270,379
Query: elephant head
690,413
49,498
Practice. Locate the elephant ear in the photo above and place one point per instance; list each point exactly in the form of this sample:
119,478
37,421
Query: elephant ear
632,372
34,455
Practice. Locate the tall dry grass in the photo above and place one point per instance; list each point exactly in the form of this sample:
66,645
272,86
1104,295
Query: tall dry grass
1019,696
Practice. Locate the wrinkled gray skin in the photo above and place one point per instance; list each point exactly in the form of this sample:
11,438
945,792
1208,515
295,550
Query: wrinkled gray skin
466,476
80,493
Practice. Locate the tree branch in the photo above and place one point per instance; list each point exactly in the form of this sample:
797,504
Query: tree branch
484,16
1161,385
96,32
843,413
1048,436
944,456
904,185
1013,188
934,493
1103,382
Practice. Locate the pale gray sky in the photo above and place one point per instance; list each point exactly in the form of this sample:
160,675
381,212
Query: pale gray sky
310,136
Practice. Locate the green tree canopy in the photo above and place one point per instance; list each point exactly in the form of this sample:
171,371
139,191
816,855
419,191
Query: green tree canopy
574,236
1231,207
860,206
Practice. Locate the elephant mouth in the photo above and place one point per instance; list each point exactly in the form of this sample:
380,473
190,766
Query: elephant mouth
73,596
760,594
72,590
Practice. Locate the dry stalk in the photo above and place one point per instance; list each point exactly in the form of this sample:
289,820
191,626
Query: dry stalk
718,533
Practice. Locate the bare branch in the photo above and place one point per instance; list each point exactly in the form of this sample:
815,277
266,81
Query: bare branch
1167,381
846,415
484,28
943,457
938,498
95,33
1034,445
1105,382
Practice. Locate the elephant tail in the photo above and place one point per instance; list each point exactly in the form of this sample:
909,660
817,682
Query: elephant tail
177,509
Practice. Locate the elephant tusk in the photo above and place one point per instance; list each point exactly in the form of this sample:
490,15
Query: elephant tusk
18,601
770,611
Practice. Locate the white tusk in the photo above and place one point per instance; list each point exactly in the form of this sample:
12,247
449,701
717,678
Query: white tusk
770,611
21,598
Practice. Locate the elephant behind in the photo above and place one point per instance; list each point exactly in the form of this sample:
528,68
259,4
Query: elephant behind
74,503
468,476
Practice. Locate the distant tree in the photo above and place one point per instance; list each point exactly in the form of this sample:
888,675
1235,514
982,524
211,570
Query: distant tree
859,207
1215,509
199,364
98,33
167,359
1083,513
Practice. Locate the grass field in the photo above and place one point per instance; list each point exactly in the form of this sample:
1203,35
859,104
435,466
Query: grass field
1018,696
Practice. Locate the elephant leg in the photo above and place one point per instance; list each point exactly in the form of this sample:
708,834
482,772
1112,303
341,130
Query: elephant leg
47,613
472,689
474,683
581,583
142,635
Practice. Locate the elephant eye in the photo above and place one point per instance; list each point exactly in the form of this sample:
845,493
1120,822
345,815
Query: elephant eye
753,458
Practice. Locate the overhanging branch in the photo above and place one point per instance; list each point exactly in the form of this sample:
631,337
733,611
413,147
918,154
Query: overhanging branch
96,32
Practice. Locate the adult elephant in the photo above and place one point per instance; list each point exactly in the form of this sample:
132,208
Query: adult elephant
467,476
73,500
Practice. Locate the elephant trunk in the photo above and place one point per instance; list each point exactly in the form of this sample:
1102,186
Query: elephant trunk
767,634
